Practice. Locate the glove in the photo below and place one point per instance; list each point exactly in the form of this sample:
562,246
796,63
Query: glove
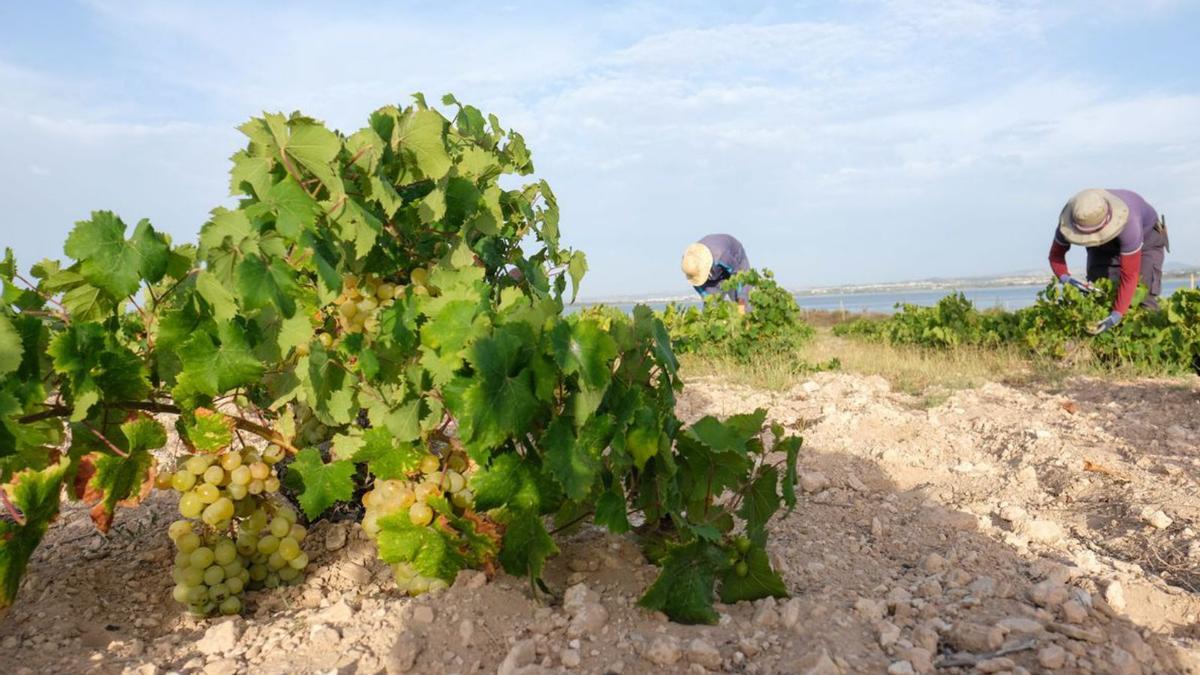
1083,286
1112,320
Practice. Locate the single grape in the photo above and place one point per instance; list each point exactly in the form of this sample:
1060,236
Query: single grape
188,543
437,585
741,569
455,481
257,521
272,580
197,594
181,593
426,490
179,528
237,492
225,552
218,592
258,572
280,526
299,562
348,309
385,291
271,484
273,454
214,575
288,574
259,471
276,561
230,606
214,475
235,585
213,514
183,480
297,532
288,548
207,492
196,464
418,585
247,544
430,464
256,487
268,544
240,475
326,340
420,514
287,513
202,557
163,479
457,462
193,576
463,498
231,460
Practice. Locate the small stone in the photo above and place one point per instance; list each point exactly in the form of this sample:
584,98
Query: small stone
900,668
813,481
1114,595
1049,593
337,613
1052,657
522,654
470,579
222,667
1042,531
588,619
466,632
1020,624
983,587
403,654
663,651
577,596
1155,518
355,573
888,634
702,653
869,609
933,564
925,637
10,642
995,665
1077,632
789,614
322,637
569,658
335,537
1122,662
855,484
921,659
766,615
973,637
422,614
817,663
930,589
1074,611
220,637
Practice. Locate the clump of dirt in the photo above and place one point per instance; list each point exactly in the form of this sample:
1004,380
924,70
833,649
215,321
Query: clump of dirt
1003,530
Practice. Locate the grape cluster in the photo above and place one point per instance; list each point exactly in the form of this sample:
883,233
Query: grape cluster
247,535
359,304
411,497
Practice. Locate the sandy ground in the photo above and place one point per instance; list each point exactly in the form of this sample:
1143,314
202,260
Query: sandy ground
1003,530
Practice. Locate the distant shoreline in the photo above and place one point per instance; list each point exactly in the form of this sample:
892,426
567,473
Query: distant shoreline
967,283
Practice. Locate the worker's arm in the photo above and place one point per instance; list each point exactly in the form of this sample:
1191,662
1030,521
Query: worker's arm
1058,259
1131,271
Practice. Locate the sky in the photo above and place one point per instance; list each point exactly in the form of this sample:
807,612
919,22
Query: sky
853,142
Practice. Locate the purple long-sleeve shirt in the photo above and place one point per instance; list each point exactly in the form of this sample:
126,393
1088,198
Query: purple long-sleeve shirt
729,258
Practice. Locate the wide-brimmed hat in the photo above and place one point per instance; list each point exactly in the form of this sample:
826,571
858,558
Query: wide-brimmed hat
697,264
1093,217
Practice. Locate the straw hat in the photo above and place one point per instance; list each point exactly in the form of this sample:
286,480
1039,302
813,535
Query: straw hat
1092,218
697,264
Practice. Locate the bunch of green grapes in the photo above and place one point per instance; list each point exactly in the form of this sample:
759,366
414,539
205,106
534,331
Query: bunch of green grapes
359,304
410,498
228,501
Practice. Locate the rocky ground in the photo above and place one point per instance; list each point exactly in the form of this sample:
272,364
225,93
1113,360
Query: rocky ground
1002,530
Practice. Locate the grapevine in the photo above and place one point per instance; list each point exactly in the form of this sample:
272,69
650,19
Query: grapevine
1161,341
376,315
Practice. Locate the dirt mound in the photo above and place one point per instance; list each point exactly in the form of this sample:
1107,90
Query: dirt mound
1001,531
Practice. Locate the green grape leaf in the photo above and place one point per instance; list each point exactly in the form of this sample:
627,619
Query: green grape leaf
508,482
423,133
35,494
11,349
295,211
569,461
210,431
295,332
403,421
251,171
498,401
319,485
224,305
213,369
106,480
684,588
428,548
790,445
267,286
760,581
386,458
576,268
732,435
761,502
111,263
526,545
611,510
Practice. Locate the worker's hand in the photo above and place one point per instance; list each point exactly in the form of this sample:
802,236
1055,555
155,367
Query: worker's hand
1083,286
1112,320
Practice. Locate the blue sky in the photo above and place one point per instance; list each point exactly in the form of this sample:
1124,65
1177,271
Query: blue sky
844,142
